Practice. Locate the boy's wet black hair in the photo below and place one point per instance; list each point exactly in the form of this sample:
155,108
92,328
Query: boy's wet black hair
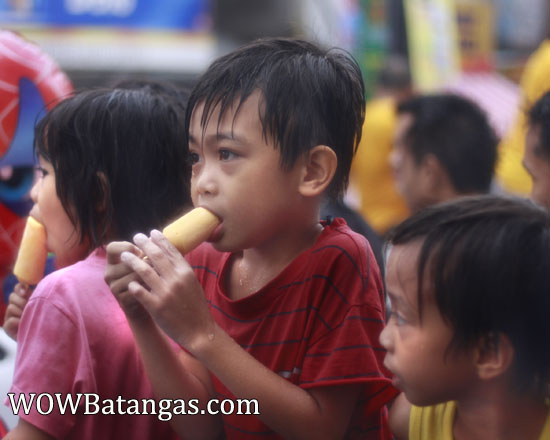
310,97
120,159
539,116
486,261
457,132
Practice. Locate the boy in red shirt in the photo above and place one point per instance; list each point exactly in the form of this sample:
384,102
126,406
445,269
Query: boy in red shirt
279,306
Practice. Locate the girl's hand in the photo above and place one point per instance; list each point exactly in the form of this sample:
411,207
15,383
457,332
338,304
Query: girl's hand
16,304
118,275
170,291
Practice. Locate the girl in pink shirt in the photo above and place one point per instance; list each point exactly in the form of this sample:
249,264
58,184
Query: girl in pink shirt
112,162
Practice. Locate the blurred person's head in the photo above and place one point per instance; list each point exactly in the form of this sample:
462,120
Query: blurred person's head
394,78
536,159
444,147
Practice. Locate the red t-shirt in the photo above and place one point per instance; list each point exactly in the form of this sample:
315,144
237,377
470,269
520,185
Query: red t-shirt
316,324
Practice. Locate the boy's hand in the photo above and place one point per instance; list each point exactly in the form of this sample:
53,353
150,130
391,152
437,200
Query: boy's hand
170,291
16,303
118,275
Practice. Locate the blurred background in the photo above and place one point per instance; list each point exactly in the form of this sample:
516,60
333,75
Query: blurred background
101,41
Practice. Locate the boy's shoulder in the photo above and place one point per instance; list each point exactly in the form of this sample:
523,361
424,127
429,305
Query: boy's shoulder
340,244
338,234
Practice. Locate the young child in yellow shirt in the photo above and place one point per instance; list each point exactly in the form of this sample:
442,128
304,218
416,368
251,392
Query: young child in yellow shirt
467,340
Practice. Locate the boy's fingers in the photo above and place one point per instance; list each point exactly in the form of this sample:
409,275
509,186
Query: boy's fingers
161,241
120,285
145,272
116,248
145,297
161,257
116,272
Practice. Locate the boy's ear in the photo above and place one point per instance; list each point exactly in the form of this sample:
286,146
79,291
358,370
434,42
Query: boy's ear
494,356
433,170
437,178
318,170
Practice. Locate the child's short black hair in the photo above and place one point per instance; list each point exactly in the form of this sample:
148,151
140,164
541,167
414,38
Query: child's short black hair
310,97
539,116
487,261
120,159
457,132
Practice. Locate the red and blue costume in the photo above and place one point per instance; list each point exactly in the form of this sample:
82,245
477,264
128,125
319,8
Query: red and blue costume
30,84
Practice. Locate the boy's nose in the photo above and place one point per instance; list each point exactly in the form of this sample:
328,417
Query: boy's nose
204,181
385,338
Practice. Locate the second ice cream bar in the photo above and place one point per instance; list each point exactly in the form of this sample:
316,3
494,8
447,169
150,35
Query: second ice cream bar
32,255
190,230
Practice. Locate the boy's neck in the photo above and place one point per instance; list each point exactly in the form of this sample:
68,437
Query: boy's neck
253,268
500,415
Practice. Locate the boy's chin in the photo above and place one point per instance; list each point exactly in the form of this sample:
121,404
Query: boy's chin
222,246
420,400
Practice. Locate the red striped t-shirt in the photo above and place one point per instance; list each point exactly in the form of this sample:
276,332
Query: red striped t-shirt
316,324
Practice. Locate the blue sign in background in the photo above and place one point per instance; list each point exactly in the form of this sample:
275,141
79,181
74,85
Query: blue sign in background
192,15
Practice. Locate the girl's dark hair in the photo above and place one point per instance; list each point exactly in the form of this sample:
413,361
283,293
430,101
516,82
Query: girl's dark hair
310,97
487,261
120,159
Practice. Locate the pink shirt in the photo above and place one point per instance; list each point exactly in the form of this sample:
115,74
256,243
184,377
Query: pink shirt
74,338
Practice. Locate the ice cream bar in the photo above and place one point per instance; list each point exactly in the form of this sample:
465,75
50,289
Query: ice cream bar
32,255
190,230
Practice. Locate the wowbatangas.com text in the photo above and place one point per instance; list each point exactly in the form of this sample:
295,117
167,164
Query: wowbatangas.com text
91,404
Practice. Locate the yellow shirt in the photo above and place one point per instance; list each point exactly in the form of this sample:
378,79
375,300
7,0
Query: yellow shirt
535,81
371,174
436,422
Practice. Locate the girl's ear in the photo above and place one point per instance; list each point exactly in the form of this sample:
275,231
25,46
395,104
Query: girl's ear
495,354
318,170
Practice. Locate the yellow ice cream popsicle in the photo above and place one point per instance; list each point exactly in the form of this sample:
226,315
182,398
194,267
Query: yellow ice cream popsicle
190,230
32,255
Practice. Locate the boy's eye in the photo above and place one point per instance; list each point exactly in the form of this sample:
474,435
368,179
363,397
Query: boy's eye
399,320
226,155
194,158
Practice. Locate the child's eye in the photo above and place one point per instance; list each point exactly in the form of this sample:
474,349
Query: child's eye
399,320
226,155
194,158
41,172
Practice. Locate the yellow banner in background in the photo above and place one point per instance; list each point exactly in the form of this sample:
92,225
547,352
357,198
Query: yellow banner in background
433,42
